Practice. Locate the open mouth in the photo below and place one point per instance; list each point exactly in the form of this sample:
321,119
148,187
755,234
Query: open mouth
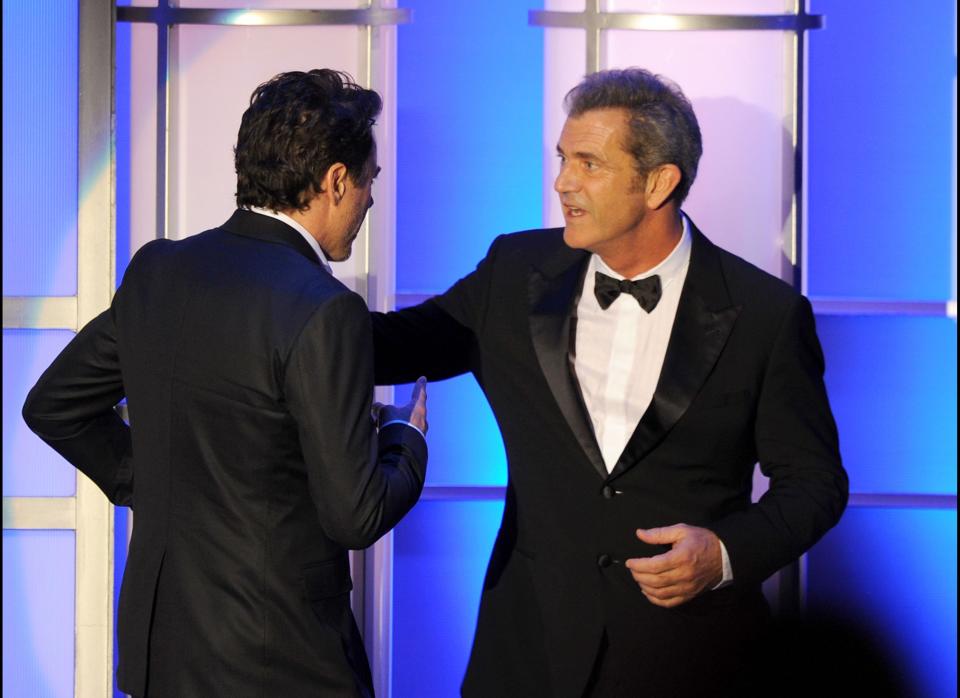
573,211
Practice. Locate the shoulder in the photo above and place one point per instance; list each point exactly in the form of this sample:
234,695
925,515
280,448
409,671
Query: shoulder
540,240
527,246
749,285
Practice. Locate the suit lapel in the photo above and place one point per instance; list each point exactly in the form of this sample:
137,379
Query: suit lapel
704,320
554,289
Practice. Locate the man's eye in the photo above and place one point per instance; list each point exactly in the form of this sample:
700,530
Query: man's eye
589,164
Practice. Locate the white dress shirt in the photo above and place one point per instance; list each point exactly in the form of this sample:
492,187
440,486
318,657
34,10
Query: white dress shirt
312,241
619,353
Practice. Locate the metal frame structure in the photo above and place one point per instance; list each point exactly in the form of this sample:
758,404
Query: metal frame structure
88,512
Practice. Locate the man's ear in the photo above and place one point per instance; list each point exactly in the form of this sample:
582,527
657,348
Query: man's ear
661,183
335,182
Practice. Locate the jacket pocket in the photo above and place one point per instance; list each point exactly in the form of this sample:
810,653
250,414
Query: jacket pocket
327,586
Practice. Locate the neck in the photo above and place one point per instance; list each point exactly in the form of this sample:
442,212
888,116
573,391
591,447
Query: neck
653,242
312,220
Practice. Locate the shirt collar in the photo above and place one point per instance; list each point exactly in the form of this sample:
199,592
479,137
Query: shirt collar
312,241
668,269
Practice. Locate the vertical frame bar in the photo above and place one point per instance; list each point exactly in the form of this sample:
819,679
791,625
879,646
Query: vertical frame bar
95,283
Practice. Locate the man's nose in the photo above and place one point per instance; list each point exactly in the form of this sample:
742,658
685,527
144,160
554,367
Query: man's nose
564,182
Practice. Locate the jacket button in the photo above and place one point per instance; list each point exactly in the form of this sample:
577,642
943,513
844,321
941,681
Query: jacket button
607,492
604,560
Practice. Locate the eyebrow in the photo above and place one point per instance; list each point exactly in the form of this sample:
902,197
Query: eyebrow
582,155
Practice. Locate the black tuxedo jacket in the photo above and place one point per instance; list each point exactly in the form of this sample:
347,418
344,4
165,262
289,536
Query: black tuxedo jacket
252,462
741,383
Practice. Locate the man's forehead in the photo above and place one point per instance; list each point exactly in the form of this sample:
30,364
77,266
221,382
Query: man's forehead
597,128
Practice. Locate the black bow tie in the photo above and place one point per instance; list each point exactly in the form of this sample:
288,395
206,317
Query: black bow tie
646,291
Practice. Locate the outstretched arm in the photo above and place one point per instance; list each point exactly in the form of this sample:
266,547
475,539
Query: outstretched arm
361,481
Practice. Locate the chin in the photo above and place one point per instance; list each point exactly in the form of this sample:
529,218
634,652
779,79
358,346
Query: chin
576,240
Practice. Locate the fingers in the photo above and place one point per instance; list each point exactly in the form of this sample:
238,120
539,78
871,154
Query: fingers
687,569
418,405
419,395
668,600
666,535
658,564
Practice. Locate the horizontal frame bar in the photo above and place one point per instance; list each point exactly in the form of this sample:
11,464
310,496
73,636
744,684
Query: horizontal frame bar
449,493
40,313
33,513
264,18
850,306
674,22
903,501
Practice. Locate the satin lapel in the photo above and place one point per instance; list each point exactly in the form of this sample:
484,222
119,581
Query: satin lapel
553,293
701,329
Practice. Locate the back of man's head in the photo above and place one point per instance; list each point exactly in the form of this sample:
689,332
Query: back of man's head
298,125
662,125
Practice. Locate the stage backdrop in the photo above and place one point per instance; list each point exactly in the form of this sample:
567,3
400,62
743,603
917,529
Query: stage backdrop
829,160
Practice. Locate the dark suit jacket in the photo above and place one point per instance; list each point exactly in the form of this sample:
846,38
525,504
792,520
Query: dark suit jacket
741,383
252,462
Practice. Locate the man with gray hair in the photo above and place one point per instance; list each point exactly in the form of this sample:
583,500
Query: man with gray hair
637,372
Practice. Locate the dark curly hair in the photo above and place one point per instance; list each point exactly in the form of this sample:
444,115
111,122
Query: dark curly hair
298,125
663,127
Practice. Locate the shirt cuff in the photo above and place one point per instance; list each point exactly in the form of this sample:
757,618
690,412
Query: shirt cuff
413,426
727,568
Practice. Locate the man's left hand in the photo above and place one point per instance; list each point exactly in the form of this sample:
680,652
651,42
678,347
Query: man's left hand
693,564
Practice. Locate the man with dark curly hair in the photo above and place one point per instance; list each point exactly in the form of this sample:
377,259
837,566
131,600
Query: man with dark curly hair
251,461
637,373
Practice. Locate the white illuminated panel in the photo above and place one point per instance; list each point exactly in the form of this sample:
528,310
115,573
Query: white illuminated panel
563,67
706,7
273,4
741,84
143,135
215,69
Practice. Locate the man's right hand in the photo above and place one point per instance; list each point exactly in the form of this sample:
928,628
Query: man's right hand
414,412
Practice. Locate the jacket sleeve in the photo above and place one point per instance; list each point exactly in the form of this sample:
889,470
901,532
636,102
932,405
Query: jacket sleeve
798,449
361,482
71,408
437,338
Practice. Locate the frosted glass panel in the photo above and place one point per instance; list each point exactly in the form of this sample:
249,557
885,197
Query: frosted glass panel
216,69
38,613
893,387
469,130
465,443
564,65
30,467
741,87
272,4
882,155
440,554
706,7
136,86
40,148
894,573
